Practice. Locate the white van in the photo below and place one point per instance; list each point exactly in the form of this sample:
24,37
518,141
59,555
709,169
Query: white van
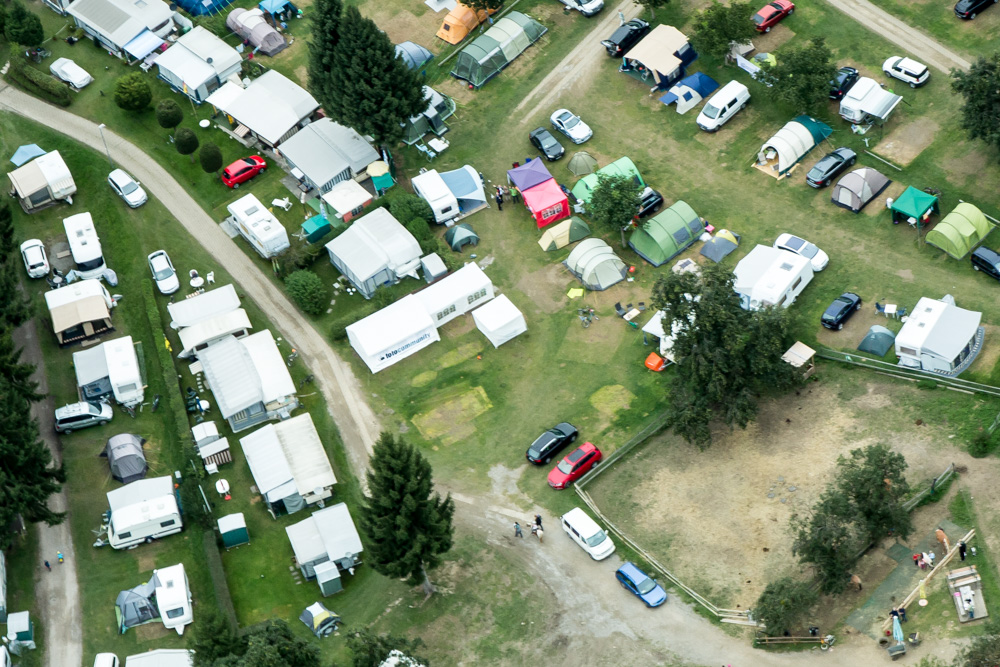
723,105
587,534
106,660
84,245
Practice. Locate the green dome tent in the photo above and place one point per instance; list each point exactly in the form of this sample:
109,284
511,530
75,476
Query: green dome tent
460,236
582,163
564,233
496,48
666,235
960,231
878,341
620,167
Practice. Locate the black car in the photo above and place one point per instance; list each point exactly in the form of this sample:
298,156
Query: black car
840,310
968,9
832,164
549,443
543,140
651,202
625,37
986,260
846,77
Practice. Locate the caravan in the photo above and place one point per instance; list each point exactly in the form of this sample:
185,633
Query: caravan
866,99
142,512
256,224
771,277
110,368
173,597
84,245
432,188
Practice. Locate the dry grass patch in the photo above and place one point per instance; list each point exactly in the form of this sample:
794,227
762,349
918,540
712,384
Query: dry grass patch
451,421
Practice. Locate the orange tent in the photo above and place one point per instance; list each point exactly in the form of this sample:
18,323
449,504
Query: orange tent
655,362
459,23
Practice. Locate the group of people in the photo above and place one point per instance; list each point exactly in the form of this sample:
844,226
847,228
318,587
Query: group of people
924,560
503,191
898,612
536,529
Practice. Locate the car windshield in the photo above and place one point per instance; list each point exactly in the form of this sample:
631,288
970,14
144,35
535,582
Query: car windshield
161,269
565,467
808,250
129,187
645,586
596,538
841,78
711,111
758,18
569,121
93,408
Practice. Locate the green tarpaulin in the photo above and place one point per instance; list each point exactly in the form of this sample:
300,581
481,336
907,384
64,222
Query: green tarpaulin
489,53
666,235
620,167
960,231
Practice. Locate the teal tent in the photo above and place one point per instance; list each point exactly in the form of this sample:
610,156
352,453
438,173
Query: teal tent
620,167
914,204
496,48
460,236
315,228
666,235
877,341
233,530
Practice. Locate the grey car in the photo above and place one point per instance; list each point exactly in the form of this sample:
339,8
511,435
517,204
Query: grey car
75,416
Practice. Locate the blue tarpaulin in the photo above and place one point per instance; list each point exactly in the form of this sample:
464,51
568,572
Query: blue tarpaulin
273,6
202,7
143,44
26,154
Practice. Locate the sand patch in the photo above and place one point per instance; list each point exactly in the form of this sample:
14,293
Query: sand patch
401,24
460,354
450,421
770,42
152,631
906,275
547,287
990,353
611,399
458,327
905,142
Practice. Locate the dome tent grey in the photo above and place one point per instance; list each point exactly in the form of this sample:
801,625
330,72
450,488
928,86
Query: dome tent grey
489,53
125,457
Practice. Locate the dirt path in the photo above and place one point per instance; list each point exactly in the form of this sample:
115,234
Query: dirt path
580,62
922,47
57,592
345,399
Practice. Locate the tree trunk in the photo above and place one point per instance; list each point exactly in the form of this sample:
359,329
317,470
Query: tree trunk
428,586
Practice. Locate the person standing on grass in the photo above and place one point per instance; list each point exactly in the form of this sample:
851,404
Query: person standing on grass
499,202
515,195
902,613
961,550
517,530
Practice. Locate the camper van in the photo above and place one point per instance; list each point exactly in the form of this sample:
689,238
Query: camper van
723,105
84,245
584,531
256,224
432,188
867,98
173,597
142,512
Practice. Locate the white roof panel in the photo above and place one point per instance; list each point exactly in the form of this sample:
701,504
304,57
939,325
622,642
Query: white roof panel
338,532
396,322
275,381
140,491
205,306
267,461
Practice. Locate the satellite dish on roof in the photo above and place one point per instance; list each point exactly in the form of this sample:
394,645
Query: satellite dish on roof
209,60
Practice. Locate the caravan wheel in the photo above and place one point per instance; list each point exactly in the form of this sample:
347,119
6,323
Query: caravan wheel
149,540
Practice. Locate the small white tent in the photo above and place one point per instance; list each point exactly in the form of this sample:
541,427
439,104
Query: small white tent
500,320
393,333
456,294
375,250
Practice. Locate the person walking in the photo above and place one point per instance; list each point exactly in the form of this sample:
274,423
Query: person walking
856,580
517,530
534,530
47,566
930,559
538,520
916,560
961,550
902,613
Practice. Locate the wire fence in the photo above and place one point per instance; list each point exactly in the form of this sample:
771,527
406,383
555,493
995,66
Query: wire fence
912,374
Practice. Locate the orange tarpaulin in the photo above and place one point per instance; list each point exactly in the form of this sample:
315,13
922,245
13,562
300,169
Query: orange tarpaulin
460,22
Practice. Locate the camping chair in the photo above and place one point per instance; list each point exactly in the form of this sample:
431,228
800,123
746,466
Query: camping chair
628,308
879,308
618,309
642,306
900,312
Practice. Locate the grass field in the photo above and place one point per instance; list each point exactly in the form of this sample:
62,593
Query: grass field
937,18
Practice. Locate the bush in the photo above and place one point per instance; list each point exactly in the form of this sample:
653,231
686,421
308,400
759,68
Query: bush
132,93
308,291
301,255
338,330
22,26
782,604
420,230
169,114
38,83
210,157
408,207
186,142
982,444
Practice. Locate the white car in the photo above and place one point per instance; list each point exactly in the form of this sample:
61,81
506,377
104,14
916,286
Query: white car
570,124
816,257
906,70
127,188
163,272
66,70
35,261
585,7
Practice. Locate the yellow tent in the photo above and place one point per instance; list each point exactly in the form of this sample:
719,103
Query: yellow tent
460,22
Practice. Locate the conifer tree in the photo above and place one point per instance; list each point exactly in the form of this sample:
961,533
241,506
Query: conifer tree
322,45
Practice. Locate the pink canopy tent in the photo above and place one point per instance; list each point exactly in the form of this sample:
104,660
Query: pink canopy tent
547,202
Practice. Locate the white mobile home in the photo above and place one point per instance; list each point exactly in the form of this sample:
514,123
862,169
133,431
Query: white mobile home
375,250
199,336
205,306
393,333
81,310
771,277
198,63
325,543
43,182
142,512
271,109
432,189
867,99
327,153
111,368
256,224
939,336
161,657
173,597
456,294
84,245
129,29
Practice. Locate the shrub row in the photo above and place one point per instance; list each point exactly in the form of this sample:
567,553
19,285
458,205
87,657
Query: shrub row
38,83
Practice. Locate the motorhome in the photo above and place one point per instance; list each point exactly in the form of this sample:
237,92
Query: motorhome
771,277
111,368
173,597
142,512
256,224
84,245
866,100
432,188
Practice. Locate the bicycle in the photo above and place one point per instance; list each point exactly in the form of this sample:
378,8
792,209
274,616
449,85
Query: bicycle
129,410
586,316
827,642
306,380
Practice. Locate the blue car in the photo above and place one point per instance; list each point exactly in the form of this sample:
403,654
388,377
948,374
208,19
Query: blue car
636,582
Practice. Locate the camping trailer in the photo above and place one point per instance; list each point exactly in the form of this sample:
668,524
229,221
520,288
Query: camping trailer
256,224
81,310
84,245
771,277
867,99
142,512
111,368
939,336
432,188
173,597
43,182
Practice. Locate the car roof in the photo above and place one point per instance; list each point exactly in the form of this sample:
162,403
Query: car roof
159,258
911,64
632,572
32,243
83,407
987,254
120,176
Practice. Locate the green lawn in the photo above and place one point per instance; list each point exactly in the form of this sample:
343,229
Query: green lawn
937,18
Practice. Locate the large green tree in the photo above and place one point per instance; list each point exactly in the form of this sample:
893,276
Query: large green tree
614,203
801,79
726,357
371,89
782,604
22,26
982,650
719,26
872,479
829,540
213,639
409,524
270,644
371,650
132,92
15,308
980,91
324,37
481,5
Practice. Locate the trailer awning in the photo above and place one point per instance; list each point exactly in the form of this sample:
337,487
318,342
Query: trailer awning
143,44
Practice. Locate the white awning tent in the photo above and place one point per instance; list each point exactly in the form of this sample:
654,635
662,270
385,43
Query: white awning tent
500,320
204,333
143,44
375,250
205,306
328,535
654,327
272,106
43,180
393,333
455,294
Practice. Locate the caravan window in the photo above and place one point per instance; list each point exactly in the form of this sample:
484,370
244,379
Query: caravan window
126,388
123,536
797,283
166,524
908,350
175,613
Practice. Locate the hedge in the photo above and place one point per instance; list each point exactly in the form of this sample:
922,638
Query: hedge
38,83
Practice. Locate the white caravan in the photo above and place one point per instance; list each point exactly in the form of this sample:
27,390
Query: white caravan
432,188
173,597
256,224
84,245
142,512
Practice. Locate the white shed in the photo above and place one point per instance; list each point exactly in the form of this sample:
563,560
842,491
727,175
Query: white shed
393,333
500,320
456,294
375,250
939,336
258,226
771,277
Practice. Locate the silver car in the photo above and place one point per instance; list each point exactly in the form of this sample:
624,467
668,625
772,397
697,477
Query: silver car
75,416
571,125
127,188
35,261
164,274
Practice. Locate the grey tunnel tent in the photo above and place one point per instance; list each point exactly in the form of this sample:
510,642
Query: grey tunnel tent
460,236
489,53
720,245
596,265
877,341
859,187
252,27
136,606
125,457
414,55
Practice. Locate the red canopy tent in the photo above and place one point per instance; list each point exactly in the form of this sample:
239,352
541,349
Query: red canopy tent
547,202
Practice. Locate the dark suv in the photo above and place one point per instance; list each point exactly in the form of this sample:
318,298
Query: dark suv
550,443
846,77
625,37
984,259
840,310
651,202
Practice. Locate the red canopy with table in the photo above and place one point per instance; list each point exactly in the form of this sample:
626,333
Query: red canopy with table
547,202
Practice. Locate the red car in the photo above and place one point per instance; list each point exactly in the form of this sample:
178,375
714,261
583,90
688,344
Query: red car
769,16
243,170
574,466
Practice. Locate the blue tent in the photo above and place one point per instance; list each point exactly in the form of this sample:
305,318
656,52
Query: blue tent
26,154
695,87
202,7
274,6
414,55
